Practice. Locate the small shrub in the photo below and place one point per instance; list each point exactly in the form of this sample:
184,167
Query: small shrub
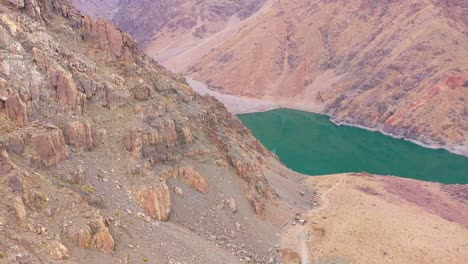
88,189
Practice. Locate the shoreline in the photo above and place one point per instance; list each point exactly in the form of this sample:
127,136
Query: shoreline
245,105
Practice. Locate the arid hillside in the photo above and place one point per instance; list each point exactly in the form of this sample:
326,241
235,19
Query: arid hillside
395,66
107,157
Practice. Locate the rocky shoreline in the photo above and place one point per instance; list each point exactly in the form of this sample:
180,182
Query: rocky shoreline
244,105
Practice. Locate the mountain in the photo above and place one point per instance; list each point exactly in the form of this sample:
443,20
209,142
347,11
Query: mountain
107,157
394,66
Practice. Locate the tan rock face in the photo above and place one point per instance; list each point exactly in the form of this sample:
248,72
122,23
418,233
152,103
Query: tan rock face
20,210
188,175
15,109
80,134
104,34
5,163
58,251
156,201
66,91
50,147
95,234
151,142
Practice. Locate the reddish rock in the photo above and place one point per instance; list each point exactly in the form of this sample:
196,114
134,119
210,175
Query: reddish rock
189,176
67,93
5,163
102,239
58,251
15,109
137,138
455,81
244,167
80,134
82,237
110,38
95,234
49,145
156,201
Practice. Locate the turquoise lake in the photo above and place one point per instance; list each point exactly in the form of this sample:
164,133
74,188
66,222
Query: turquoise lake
311,144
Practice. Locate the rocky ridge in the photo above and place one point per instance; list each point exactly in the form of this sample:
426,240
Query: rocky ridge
107,157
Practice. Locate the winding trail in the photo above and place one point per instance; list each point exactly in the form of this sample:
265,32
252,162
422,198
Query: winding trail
298,237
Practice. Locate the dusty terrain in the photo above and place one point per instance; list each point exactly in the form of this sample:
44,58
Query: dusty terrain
107,157
382,65
376,219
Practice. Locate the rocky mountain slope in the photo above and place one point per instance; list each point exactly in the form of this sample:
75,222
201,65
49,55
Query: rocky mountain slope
106,157
394,66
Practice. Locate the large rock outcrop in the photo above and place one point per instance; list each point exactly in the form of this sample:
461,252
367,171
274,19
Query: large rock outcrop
188,175
156,201
94,234
82,135
49,146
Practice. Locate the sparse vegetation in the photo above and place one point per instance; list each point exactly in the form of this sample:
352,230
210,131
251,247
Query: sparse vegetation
2,255
145,259
100,174
88,189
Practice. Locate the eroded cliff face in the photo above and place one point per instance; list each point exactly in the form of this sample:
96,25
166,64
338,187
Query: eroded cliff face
393,66
105,156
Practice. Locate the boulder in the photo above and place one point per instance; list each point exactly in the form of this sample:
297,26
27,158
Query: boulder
188,175
58,251
232,204
20,209
102,239
93,235
156,201
142,92
49,145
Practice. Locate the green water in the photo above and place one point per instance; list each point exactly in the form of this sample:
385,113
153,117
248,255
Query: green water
312,144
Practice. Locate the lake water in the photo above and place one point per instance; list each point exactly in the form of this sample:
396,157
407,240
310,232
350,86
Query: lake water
310,143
